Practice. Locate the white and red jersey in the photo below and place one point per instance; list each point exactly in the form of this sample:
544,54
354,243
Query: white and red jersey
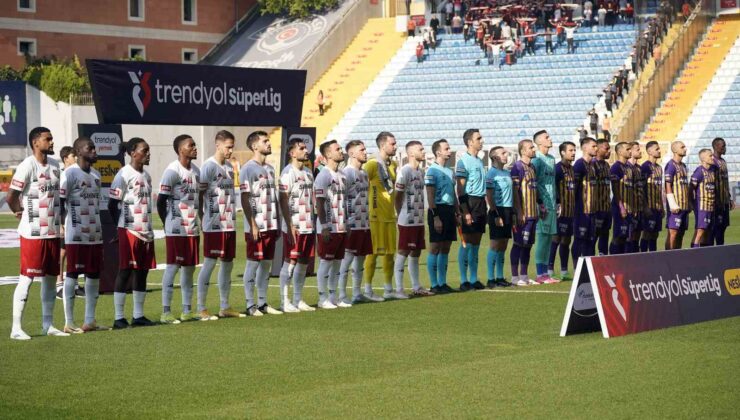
134,190
219,206
298,184
332,186
410,182
258,181
81,192
180,185
358,214
39,188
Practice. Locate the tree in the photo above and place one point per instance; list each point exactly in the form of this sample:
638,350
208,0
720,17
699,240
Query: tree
296,8
9,73
60,80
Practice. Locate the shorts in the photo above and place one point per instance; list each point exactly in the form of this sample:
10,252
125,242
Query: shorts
219,245
84,258
500,232
303,248
678,221
411,238
183,250
603,221
703,219
548,225
333,249
565,226
40,257
584,226
383,237
263,248
653,222
623,227
525,234
636,224
446,215
359,242
478,209
722,218
134,253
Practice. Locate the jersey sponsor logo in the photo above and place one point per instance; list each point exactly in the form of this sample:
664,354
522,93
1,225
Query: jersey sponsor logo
18,183
165,188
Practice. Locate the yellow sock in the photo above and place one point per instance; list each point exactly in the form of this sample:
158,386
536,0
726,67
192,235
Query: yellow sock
388,262
367,277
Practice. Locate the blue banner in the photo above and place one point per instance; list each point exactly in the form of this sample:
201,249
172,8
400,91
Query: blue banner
13,131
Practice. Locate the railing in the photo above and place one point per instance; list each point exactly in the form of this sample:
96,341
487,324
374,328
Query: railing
81,99
649,94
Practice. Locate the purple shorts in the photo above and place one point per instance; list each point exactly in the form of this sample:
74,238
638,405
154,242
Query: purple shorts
677,221
603,221
623,228
722,218
565,226
703,219
524,234
583,226
653,222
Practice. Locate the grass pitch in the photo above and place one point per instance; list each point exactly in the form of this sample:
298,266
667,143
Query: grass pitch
476,354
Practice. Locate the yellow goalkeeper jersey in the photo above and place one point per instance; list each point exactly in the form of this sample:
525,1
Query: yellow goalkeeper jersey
382,180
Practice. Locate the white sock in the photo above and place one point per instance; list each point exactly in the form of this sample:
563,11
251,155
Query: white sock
48,296
334,279
563,273
224,282
299,279
263,280
344,273
168,286
368,289
204,279
119,302
250,270
358,269
322,278
186,288
20,296
285,274
398,270
68,300
550,272
414,272
92,291
139,298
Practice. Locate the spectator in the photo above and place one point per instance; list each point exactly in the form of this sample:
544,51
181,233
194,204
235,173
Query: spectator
602,15
587,16
505,30
593,121
456,24
466,33
629,14
320,102
656,53
419,52
548,41
606,123
686,11
434,24
495,55
570,31
411,27
448,17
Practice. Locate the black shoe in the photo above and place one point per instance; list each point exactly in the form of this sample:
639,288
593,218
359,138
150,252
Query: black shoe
435,289
478,286
80,292
120,324
502,283
464,287
141,322
60,293
447,289
491,284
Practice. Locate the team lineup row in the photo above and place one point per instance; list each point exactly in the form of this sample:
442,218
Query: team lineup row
368,210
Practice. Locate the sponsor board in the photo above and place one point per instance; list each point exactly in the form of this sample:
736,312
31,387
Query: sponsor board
13,113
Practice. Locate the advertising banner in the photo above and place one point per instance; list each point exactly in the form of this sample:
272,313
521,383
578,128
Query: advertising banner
627,294
13,114
135,92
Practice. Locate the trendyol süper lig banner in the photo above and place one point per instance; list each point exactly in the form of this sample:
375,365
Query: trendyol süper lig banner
141,92
626,294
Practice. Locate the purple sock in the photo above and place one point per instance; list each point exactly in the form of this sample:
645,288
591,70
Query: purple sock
524,261
693,245
653,245
563,257
603,245
587,247
553,253
616,249
629,247
644,245
515,255
575,250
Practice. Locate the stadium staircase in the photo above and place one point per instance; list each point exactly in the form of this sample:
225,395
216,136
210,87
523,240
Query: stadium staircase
455,89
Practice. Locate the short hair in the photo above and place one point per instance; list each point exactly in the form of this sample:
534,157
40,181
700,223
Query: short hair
179,140
704,151
468,134
521,144
717,140
564,145
292,143
599,142
77,145
413,143
132,144
224,135
66,151
353,143
325,146
382,137
36,133
621,145
634,143
253,137
586,140
437,145
651,144
539,133
493,150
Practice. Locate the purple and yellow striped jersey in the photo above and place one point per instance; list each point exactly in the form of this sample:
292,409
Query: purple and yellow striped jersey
652,173
723,183
623,179
524,179
639,188
703,184
566,187
603,190
677,176
586,181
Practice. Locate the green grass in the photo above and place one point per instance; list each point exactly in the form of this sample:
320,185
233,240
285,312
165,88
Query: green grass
478,354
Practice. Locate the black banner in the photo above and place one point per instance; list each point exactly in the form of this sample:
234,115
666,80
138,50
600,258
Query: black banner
13,114
136,92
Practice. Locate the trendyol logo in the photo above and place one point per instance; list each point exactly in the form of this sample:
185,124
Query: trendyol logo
141,82
615,296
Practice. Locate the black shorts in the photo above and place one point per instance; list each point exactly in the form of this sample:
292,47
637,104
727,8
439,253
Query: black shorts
500,232
449,226
478,209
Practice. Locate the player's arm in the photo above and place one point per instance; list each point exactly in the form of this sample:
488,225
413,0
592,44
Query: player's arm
202,190
325,230
165,189
285,207
14,202
162,206
669,196
696,180
398,199
21,178
491,202
516,195
461,180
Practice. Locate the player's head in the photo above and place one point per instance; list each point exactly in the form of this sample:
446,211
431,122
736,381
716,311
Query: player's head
224,143
68,155
678,148
542,138
138,149
526,148
40,139
415,150
296,149
622,149
653,149
635,150
386,143
331,151
84,148
588,146
706,156
259,143
567,151
356,150
499,155
473,140
603,150
184,146
441,148
719,146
